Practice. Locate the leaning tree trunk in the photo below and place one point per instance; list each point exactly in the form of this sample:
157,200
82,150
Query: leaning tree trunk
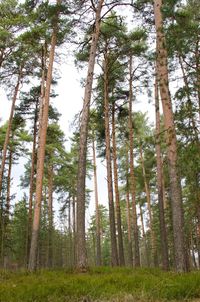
163,232
98,232
132,176
175,186
80,238
8,131
114,256
41,153
117,200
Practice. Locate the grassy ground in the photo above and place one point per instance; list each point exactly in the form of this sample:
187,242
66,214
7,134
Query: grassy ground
99,284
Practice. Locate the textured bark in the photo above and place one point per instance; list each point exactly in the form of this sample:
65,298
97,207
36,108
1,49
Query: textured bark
81,242
148,197
98,232
197,67
175,187
132,176
160,185
8,131
117,199
114,256
41,154
50,216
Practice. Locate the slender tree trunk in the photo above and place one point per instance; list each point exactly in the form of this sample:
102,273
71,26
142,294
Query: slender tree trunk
50,215
98,233
74,231
8,131
31,188
132,176
130,249
7,213
175,186
41,153
148,196
114,256
117,199
81,241
160,185
144,236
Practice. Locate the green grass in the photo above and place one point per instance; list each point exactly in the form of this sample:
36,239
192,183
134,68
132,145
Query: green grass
99,284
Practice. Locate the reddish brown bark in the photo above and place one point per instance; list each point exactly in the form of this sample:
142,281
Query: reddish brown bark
81,242
160,185
175,187
41,154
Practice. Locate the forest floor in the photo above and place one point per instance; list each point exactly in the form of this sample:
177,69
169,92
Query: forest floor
99,285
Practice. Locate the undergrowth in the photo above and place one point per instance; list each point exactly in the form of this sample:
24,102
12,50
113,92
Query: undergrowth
99,284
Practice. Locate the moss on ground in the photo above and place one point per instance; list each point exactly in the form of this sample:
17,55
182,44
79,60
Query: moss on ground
99,284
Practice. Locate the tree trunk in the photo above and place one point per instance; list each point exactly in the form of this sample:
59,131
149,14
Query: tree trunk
74,231
98,233
81,241
41,153
31,188
8,131
175,186
114,256
132,176
144,236
160,185
148,196
130,244
117,199
7,213
50,215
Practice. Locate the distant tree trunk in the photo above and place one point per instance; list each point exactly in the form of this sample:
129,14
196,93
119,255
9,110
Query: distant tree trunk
148,197
41,153
7,212
98,232
31,188
132,176
50,215
74,230
175,186
144,236
160,180
130,244
81,241
114,256
117,199
8,131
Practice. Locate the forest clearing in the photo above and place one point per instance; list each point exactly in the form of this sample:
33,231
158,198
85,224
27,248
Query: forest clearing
109,209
